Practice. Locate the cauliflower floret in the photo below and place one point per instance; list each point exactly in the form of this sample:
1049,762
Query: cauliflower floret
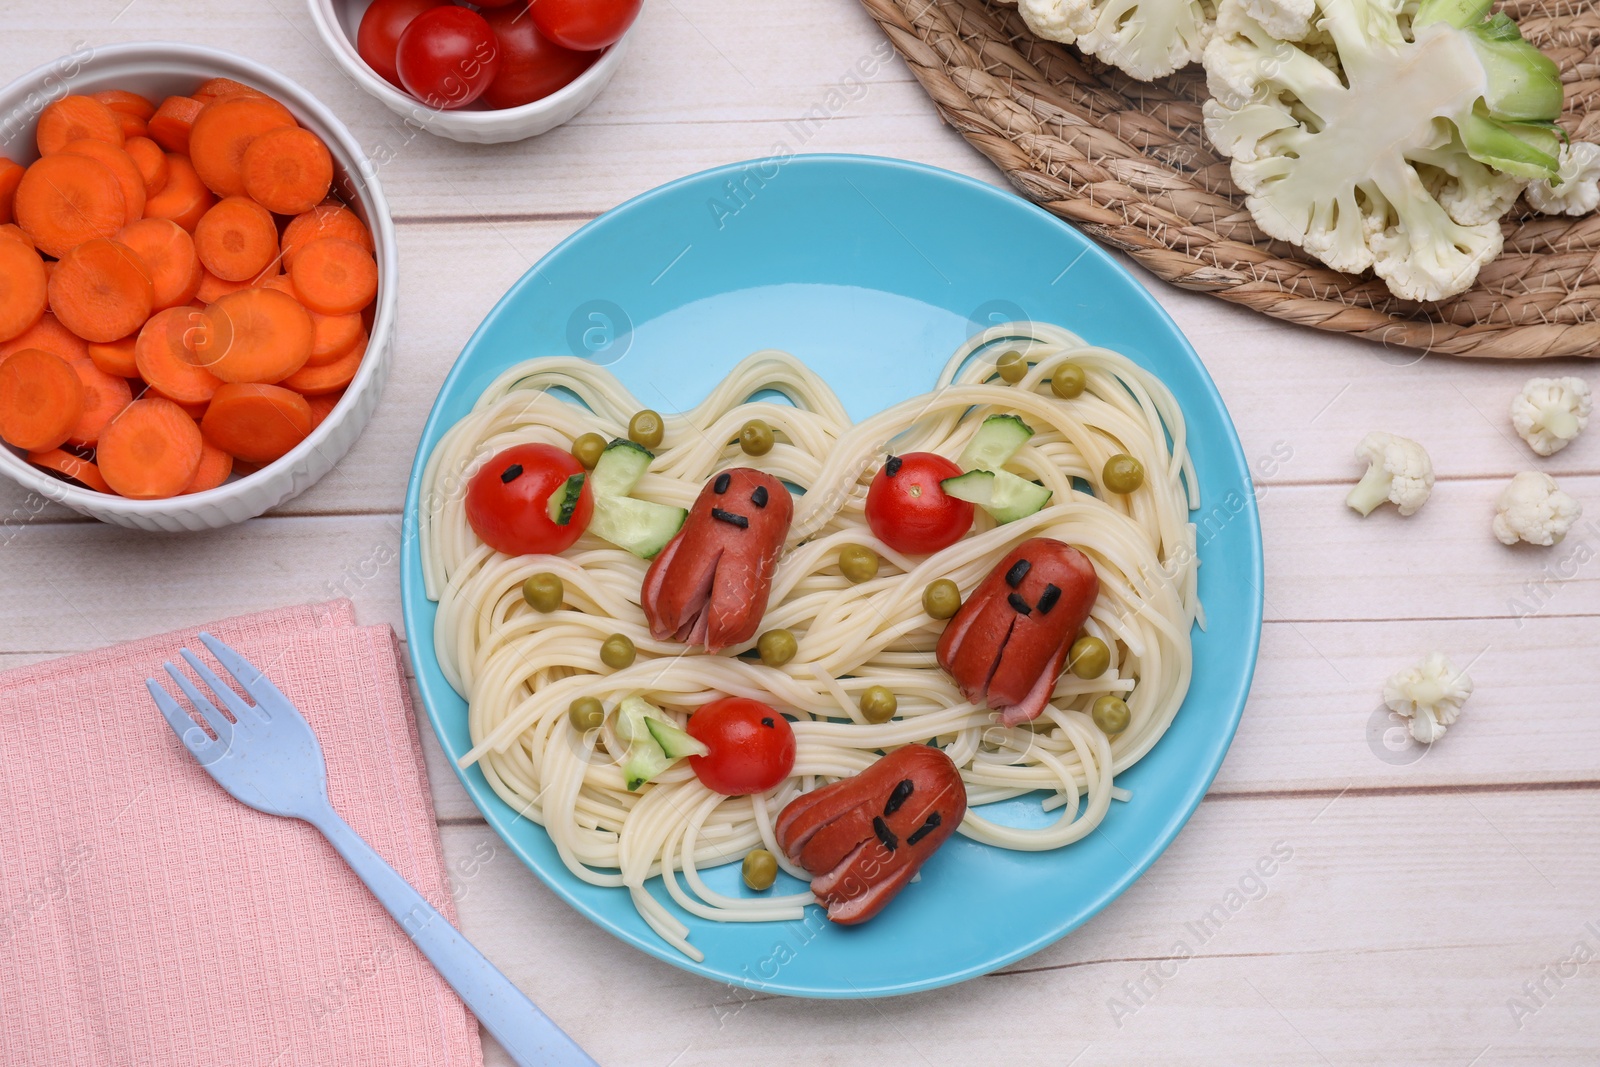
1579,190
1145,38
1399,472
1532,509
1429,695
1550,413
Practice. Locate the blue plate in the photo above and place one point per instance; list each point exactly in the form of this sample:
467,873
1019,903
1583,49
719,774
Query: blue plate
872,271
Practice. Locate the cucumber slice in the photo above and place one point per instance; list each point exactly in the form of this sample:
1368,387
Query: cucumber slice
643,527
644,759
619,468
1003,495
676,743
564,501
996,441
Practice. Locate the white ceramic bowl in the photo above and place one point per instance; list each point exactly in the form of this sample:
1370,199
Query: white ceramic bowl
337,22
157,70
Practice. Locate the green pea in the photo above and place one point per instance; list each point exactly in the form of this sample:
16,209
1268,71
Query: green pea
585,713
647,429
1012,367
544,591
617,652
1068,381
942,598
1089,657
878,704
1122,474
858,563
756,438
777,647
760,869
586,449
1111,715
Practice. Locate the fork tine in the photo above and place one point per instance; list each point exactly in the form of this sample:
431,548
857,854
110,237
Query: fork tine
269,699
217,721
194,739
241,709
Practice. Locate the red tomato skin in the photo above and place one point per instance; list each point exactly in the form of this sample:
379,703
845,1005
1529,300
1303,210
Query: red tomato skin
512,517
380,30
752,746
531,65
910,512
447,57
585,25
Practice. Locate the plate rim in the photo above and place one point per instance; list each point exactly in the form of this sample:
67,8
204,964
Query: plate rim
485,799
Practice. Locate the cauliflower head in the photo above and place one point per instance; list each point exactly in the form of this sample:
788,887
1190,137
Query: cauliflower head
1147,39
1578,191
1429,695
1382,134
1534,510
1399,472
1550,413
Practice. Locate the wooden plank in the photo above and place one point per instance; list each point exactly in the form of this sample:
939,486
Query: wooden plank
1262,935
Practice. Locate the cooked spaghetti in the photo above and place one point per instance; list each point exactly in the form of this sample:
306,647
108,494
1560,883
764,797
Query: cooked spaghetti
520,669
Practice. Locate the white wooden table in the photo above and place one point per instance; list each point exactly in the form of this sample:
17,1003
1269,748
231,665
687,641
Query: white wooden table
1434,910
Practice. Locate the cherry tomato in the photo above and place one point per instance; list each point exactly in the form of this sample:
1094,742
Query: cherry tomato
752,746
531,66
380,31
447,57
908,510
585,25
508,501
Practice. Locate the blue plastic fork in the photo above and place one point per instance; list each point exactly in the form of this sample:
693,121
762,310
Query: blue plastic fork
267,757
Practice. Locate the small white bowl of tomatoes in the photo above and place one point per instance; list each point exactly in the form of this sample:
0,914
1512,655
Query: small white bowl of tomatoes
499,70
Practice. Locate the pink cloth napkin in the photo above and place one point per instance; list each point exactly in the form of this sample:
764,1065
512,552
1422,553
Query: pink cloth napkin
148,918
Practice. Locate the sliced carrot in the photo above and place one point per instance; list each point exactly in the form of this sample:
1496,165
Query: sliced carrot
10,177
127,103
104,397
328,378
256,423
151,161
195,411
212,287
288,170
23,296
215,466
216,88
322,406
166,358
41,400
236,239
121,164
116,357
65,200
333,336
334,276
101,290
74,118
80,470
170,126
285,286
184,198
150,451
328,219
254,335
48,334
168,253
224,130
132,125
15,232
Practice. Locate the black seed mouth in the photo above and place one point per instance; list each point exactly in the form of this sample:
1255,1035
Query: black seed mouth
1018,604
730,518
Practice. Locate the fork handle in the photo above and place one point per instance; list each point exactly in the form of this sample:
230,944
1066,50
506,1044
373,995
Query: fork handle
526,1033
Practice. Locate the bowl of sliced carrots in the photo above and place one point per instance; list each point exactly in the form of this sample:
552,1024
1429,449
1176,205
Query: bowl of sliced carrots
197,286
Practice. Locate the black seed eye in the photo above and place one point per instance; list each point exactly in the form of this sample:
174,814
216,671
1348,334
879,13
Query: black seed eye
902,793
892,467
1019,605
885,834
1048,598
767,722
511,473
928,826
1019,570
721,484
759,497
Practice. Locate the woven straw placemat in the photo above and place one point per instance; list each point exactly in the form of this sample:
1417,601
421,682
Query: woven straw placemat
1128,162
